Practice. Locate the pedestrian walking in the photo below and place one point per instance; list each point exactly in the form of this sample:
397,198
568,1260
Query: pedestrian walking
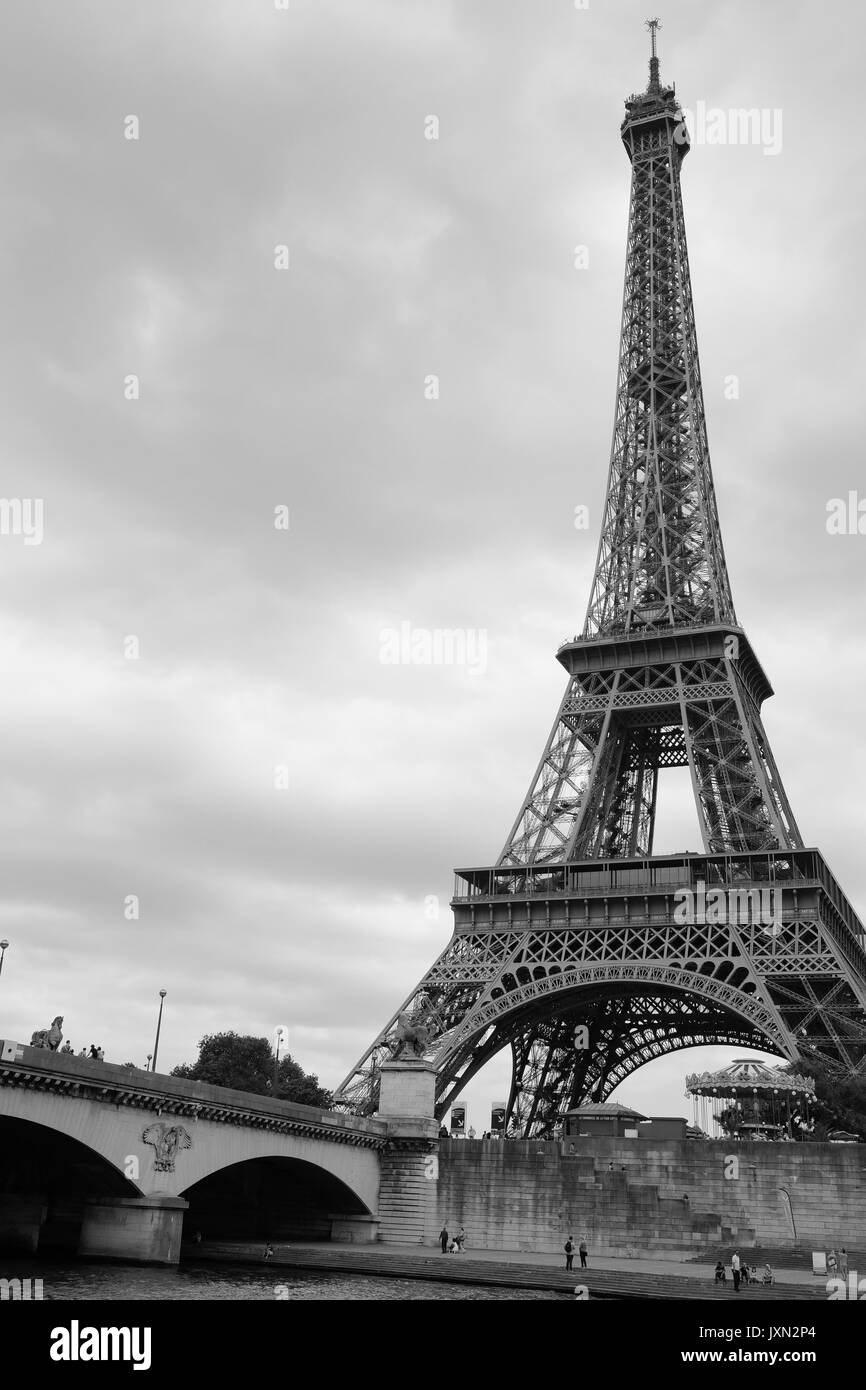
569,1253
461,1239
583,1252
735,1271
443,1239
843,1262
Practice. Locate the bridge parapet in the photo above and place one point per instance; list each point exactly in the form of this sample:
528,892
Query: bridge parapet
36,1068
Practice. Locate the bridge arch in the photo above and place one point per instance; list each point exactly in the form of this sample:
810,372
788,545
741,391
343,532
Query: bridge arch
270,1197
349,1171
37,1154
47,1179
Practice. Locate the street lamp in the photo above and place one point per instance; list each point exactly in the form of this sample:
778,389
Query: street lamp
162,994
3,946
280,1034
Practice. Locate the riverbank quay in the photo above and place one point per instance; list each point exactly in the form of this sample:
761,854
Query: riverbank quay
504,1269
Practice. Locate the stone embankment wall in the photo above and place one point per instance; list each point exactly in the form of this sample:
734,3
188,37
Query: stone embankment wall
634,1197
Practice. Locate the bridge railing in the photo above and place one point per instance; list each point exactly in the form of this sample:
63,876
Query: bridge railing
40,1067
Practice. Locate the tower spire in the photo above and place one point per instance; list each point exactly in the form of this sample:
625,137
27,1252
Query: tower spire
654,84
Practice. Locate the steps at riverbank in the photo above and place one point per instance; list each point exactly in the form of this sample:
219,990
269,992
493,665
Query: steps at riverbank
777,1256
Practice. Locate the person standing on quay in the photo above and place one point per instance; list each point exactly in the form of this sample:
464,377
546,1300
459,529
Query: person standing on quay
443,1239
569,1252
583,1253
735,1271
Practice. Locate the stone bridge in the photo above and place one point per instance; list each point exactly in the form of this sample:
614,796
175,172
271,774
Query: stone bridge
114,1162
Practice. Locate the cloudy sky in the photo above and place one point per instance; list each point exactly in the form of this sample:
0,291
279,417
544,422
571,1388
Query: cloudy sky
281,802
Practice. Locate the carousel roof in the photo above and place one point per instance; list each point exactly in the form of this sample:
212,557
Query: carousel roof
747,1076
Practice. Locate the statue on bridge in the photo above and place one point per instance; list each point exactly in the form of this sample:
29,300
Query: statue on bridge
49,1037
413,1036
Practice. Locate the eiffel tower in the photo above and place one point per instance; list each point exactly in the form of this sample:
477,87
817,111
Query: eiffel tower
580,949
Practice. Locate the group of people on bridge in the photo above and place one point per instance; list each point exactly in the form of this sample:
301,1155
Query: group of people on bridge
95,1054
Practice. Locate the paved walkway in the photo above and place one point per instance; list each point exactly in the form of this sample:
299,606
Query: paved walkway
615,1279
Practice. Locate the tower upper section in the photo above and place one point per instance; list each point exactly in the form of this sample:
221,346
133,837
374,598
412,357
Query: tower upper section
661,562
654,112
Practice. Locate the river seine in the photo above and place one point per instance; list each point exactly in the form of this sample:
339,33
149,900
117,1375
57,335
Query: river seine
74,1281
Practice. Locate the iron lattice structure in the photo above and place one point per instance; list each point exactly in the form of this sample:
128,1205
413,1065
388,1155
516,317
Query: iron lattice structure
575,928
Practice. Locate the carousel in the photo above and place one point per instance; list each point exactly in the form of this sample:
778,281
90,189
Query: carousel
751,1100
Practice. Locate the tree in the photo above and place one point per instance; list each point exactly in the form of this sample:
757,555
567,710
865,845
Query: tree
839,1104
294,1084
246,1063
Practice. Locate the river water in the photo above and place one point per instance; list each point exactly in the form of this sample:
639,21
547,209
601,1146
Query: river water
74,1281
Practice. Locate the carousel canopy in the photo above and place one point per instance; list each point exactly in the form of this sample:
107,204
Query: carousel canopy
745,1077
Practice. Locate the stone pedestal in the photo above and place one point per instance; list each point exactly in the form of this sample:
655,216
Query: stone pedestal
407,1087
408,1189
21,1220
142,1230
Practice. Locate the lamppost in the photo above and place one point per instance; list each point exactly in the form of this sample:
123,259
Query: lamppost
162,994
280,1035
3,947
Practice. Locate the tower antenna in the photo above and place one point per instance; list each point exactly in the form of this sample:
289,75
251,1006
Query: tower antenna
654,25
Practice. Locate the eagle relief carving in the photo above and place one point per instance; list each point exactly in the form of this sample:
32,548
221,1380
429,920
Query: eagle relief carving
166,1140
